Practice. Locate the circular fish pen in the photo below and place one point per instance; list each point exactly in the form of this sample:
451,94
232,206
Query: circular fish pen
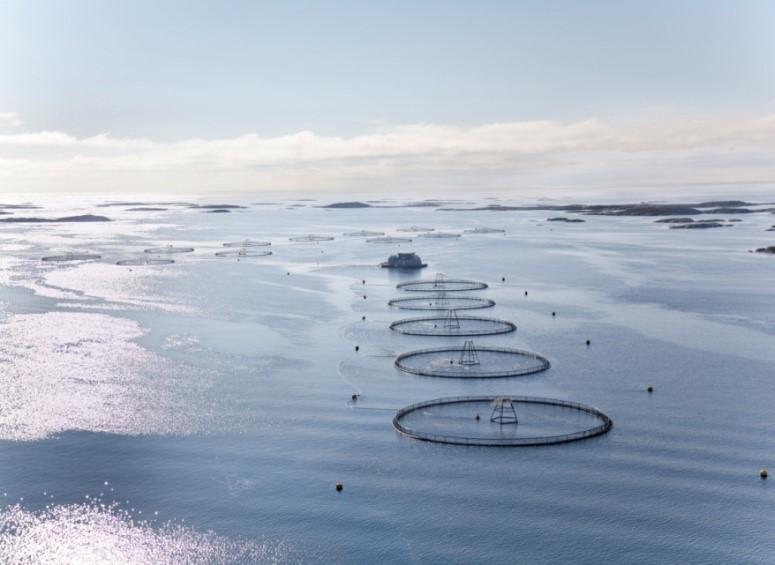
244,252
364,233
440,235
144,262
442,284
470,362
389,239
415,229
168,250
453,325
311,238
501,421
439,303
247,243
485,230
71,257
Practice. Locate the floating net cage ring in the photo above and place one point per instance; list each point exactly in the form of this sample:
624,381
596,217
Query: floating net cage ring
453,325
247,243
470,362
243,253
390,240
364,233
485,230
445,285
436,304
440,235
604,422
311,237
168,250
144,261
71,257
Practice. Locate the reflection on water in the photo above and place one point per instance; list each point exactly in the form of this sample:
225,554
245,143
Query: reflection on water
82,371
95,532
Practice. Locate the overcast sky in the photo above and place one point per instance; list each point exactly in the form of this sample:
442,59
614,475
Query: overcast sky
544,97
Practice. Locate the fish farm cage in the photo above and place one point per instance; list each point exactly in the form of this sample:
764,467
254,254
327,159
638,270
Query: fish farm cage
144,262
389,239
453,325
247,243
364,233
311,238
416,229
168,250
441,303
501,421
71,257
244,252
485,230
468,361
440,235
442,284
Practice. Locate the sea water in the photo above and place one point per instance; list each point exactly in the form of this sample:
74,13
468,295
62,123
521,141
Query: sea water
201,412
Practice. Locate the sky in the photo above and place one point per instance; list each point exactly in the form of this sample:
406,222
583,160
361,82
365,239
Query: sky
551,97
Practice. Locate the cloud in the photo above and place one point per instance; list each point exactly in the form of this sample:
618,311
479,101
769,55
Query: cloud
10,120
504,151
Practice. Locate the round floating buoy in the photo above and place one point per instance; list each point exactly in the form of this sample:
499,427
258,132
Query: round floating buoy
364,297
763,473
363,318
554,314
339,487
525,293
288,274
650,389
503,279
588,342
357,348
363,281
477,417
354,397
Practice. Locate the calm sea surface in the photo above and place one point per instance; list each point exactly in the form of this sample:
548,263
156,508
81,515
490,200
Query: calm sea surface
200,412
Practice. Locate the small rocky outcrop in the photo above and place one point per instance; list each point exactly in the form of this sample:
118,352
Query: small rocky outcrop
697,225
674,221
567,220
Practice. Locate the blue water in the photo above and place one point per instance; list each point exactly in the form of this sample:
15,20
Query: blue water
206,404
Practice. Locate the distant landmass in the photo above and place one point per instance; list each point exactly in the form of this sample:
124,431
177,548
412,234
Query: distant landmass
83,218
217,206
641,209
122,204
347,205
20,206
